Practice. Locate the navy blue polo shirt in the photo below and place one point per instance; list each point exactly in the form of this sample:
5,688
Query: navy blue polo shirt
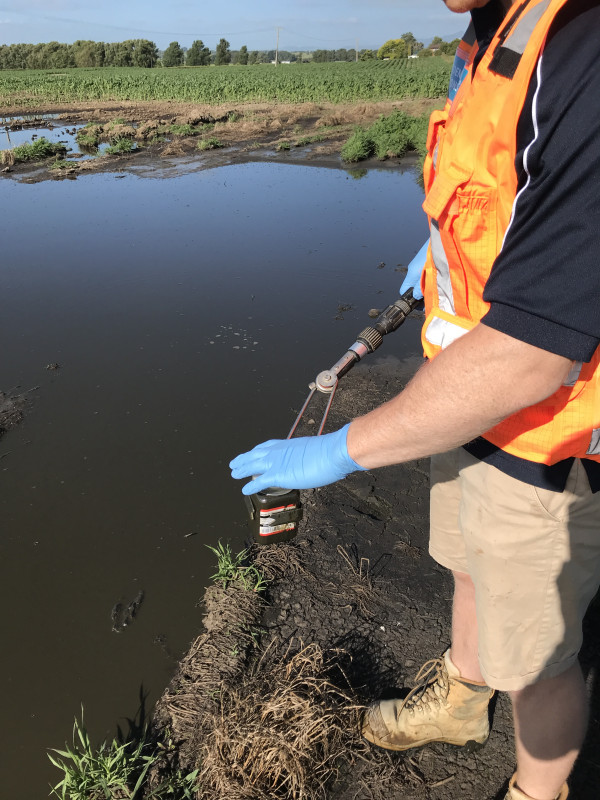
544,287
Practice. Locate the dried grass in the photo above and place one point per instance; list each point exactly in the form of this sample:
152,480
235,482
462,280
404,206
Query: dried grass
216,658
273,723
281,733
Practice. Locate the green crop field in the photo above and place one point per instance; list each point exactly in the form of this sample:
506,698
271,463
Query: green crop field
293,83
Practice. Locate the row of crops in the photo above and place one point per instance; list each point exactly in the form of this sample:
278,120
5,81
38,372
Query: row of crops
293,83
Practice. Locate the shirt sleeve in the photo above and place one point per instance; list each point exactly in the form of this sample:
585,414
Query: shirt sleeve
544,287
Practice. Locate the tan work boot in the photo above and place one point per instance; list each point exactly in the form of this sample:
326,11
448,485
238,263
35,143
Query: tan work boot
442,707
515,793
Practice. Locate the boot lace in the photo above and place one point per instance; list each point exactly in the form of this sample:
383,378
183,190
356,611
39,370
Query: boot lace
431,687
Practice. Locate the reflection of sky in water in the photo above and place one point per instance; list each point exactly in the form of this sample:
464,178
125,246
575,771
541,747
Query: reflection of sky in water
10,138
188,316
14,138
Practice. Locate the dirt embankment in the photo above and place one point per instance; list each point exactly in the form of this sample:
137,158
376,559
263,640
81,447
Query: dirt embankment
233,132
267,700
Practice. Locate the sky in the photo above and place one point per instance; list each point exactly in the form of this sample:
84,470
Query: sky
304,24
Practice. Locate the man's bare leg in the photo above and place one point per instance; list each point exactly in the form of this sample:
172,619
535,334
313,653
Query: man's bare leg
464,651
550,717
550,725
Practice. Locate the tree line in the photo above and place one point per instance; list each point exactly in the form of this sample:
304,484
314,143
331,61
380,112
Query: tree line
144,53
56,55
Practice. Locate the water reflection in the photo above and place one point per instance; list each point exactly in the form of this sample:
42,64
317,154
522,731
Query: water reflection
188,316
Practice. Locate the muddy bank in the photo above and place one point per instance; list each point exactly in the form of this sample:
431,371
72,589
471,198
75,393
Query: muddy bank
208,136
356,602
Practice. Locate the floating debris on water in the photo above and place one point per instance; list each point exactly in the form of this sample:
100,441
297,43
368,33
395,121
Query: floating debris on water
122,616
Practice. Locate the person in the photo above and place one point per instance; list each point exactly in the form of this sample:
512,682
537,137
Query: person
508,400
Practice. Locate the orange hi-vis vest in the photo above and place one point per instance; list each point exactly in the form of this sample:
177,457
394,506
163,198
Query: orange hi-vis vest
471,190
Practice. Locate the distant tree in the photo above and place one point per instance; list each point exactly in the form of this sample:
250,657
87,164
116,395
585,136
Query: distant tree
145,53
450,48
253,57
320,56
35,57
223,54
55,55
173,55
243,55
367,55
198,55
284,55
88,54
119,54
393,48
436,43
411,43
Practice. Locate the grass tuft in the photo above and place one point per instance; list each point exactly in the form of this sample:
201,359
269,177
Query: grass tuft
33,151
89,136
212,143
61,164
183,130
114,771
387,137
234,569
120,146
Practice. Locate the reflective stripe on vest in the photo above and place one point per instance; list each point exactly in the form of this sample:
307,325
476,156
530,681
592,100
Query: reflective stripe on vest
514,39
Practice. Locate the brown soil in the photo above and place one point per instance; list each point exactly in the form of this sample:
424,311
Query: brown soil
247,131
354,606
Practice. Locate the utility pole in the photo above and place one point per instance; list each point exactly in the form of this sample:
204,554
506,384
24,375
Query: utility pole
277,48
356,51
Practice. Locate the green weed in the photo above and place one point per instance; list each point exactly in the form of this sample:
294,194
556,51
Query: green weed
212,143
233,569
120,146
89,136
60,164
387,137
358,147
306,140
183,130
33,151
115,770
282,146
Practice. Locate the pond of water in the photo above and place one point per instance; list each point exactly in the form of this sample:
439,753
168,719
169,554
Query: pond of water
187,316
14,138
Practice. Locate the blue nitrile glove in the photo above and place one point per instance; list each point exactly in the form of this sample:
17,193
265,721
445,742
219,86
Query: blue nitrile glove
303,463
413,273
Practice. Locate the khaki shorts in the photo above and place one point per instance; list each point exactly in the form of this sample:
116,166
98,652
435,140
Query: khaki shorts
533,555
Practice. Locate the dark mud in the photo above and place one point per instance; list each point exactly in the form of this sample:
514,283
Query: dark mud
12,409
358,586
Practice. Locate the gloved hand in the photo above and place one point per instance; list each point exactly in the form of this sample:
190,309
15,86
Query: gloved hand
413,273
303,463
